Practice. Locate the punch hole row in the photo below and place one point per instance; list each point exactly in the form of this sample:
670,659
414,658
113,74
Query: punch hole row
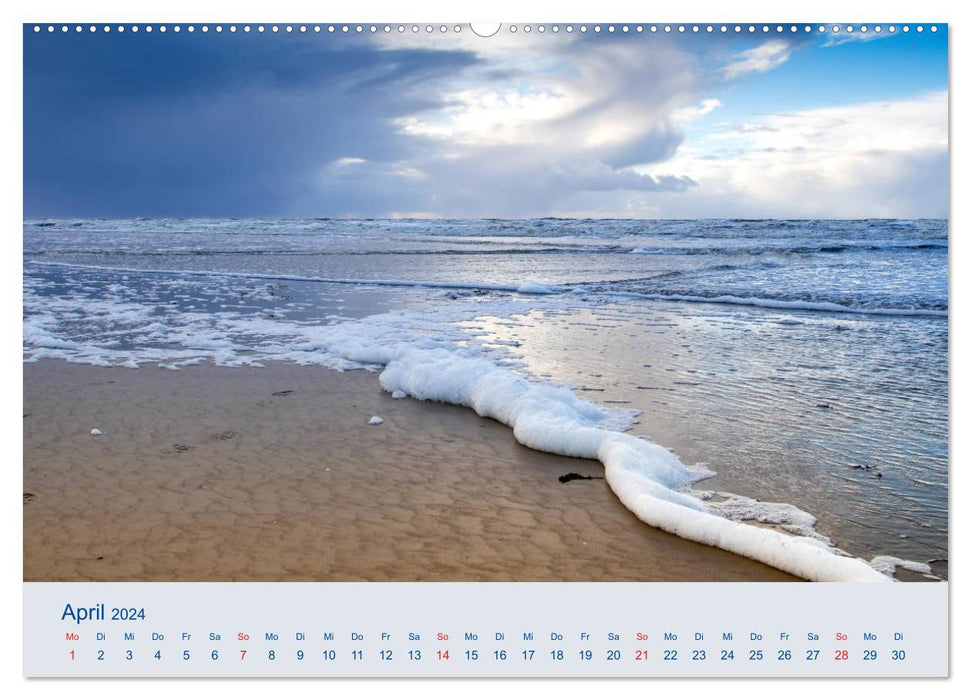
257,28
512,29
724,28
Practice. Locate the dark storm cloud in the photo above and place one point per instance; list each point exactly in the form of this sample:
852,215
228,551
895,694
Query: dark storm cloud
216,125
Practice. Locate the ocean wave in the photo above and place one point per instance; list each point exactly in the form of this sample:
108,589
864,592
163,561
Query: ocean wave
807,233
535,287
789,249
525,287
790,305
483,247
304,252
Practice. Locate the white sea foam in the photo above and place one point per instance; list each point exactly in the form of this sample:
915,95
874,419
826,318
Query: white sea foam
648,479
784,515
888,565
536,288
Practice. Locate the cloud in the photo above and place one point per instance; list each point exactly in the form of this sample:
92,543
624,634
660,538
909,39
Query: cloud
531,124
884,158
406,171
693,112
769,55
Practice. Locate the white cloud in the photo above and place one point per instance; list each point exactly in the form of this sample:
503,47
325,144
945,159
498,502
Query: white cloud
344,162
407,171
864,160
769,55
688,114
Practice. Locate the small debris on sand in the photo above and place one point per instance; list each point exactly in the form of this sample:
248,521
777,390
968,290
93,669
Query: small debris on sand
573,476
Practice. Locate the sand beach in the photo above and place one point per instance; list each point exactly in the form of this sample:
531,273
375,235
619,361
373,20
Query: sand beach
275,474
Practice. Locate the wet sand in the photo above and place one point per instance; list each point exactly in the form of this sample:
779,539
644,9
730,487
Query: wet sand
274,474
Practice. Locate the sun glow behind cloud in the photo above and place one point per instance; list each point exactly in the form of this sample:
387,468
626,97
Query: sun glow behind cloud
534,122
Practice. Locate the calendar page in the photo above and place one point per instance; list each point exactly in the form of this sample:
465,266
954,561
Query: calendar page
546,349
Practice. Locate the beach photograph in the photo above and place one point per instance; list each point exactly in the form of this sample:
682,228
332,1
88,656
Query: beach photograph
546,302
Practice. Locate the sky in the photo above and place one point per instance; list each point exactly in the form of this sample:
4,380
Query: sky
630,125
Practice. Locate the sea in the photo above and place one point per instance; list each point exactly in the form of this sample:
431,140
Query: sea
796,369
